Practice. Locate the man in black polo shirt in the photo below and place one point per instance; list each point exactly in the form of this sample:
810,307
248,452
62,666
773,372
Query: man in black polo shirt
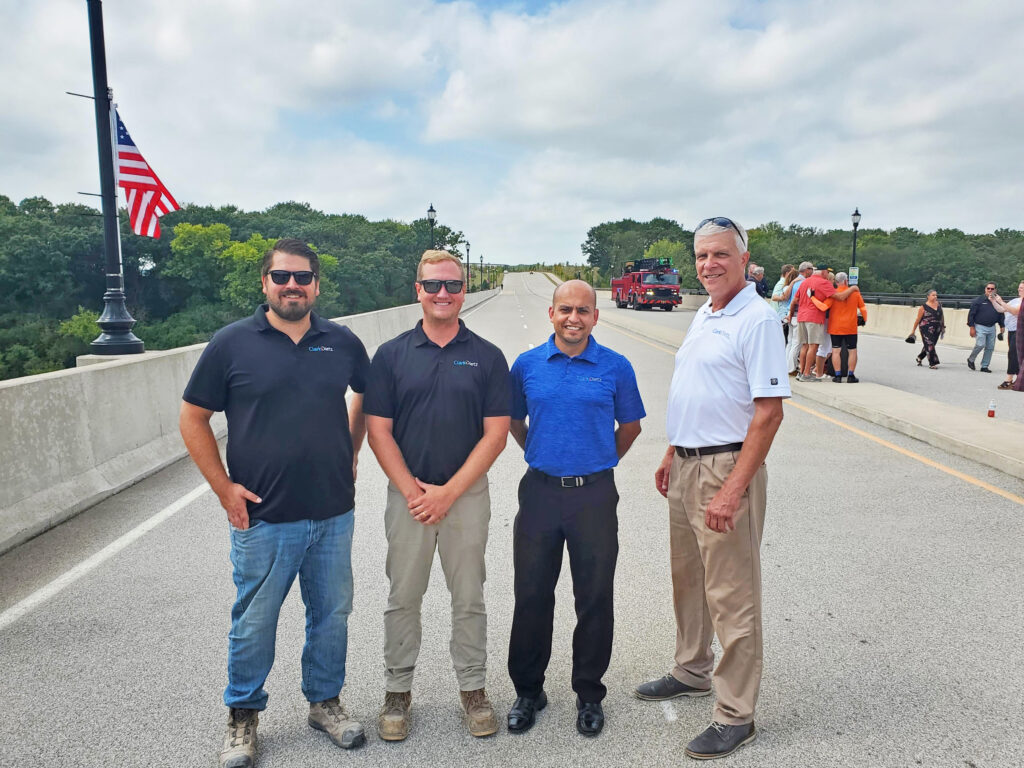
437,413
982,319
280,376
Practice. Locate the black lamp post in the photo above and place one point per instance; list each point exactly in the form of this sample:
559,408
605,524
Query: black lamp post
469,270
432,218
116,337
855,218
481,271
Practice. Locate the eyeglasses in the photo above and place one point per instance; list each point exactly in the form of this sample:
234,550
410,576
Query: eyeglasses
282,276
722,221
434,286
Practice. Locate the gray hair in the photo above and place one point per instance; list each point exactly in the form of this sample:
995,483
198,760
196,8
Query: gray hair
711,229
758,270
842,277
804,265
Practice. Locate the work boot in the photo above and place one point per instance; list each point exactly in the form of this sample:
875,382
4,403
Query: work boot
332,718
479,714
393,721
239,750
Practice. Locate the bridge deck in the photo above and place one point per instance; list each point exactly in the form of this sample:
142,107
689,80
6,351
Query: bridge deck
893,593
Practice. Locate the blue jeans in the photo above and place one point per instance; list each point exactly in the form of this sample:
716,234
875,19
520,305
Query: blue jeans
266,558
984,338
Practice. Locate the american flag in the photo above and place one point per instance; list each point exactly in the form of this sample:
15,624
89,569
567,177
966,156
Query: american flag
148,198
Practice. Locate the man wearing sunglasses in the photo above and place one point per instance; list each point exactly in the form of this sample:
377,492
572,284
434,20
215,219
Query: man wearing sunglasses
724,408
982,319
437,410
574,391
280,376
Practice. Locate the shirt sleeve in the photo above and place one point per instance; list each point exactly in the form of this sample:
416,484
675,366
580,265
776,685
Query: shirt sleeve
380,385
519,410
208,385
764,356
628,405
498,401
824,289
360,367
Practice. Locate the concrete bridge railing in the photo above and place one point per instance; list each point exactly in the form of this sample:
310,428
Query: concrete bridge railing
69,439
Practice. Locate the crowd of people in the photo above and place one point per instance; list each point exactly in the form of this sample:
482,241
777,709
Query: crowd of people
436,405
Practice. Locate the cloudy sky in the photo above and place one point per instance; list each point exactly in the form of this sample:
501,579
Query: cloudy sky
527,122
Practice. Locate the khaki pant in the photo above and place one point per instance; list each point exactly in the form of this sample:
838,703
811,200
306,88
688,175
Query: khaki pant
716,584
460,540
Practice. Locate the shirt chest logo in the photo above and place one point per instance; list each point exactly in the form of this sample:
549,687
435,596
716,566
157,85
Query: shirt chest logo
720,332
321,349
465,363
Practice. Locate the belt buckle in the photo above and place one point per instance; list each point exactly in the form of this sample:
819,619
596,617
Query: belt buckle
574,482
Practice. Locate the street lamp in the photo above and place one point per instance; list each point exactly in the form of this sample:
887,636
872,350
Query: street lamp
469,270
855,218
432,218
481,271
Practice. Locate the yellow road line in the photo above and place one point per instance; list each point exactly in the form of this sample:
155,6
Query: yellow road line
892,446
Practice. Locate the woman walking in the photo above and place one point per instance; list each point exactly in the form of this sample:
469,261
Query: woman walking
1016,340
933,327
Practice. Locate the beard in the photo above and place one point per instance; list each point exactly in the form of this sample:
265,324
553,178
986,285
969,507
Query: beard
289,310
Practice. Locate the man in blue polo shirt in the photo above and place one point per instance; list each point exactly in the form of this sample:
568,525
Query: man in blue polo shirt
574,391
280,376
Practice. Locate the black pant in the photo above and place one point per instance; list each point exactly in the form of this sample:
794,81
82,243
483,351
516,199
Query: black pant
584,520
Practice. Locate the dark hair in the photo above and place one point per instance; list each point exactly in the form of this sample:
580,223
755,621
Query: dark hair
293,247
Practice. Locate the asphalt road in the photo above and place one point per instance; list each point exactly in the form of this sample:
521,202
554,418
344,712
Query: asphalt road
893,604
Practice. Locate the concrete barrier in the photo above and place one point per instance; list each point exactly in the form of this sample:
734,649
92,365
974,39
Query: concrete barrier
72,438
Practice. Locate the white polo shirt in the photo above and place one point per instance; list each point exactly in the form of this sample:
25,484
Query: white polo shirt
728,358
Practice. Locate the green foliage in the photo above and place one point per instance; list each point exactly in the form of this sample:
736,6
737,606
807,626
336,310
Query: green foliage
81,326
681,257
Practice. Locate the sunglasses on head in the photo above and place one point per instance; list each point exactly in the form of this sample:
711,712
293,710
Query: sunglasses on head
434,286
282,276
722,221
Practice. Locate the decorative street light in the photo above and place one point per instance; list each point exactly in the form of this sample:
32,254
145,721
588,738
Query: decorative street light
481,271
855,218
432,218
469,270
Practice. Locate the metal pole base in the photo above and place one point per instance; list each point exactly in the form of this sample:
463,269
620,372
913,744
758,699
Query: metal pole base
116,337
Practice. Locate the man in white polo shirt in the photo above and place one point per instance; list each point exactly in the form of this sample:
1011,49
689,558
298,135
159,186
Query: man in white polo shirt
724,408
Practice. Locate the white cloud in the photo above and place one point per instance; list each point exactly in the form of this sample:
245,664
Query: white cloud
525,130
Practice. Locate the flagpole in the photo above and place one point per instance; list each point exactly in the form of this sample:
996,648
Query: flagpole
116,337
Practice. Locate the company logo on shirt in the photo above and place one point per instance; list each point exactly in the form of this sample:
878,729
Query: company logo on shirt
470,363
588,378
321,349
775,382
720,332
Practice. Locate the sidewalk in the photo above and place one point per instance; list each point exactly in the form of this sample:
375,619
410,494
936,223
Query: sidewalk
946,408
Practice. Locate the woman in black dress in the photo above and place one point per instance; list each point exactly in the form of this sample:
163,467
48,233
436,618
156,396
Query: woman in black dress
933,327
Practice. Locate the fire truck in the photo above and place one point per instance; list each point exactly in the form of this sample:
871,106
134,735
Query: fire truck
647,283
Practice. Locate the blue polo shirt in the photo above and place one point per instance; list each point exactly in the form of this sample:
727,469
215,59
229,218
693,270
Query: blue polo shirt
573,404
288,436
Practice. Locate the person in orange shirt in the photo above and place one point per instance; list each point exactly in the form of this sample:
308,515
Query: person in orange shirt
842,326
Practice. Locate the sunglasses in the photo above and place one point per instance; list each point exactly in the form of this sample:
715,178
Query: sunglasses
434,286
722,221
282,276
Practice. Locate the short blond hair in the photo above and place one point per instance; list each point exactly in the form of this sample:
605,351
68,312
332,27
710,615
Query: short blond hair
436,257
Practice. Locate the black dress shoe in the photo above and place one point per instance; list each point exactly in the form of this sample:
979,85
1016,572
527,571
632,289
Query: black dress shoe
524,712
589,718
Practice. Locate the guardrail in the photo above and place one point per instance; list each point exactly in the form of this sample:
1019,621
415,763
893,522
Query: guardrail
948,300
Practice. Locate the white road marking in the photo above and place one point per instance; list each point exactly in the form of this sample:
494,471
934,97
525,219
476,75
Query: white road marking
670,711
56,586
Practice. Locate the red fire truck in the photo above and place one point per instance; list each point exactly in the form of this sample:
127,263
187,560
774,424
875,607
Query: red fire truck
647,283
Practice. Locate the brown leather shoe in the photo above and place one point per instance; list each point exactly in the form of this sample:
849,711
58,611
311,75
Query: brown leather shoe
479,714
393,722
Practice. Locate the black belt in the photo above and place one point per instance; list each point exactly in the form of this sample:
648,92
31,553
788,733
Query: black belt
574,481
706,451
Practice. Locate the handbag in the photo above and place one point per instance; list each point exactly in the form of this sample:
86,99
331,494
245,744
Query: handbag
911,339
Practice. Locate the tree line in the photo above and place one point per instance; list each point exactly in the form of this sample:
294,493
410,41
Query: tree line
202,273
901,261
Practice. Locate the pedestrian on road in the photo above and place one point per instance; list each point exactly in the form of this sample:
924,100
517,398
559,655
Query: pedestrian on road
573,391
781,295
933,327
844,317
437,413
982,319
793,345
724,408
1011,310
280,376
756,276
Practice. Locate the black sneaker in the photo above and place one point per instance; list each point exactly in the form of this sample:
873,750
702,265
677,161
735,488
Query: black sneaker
970,364
985,370
837,379
851,379
719,740
667,687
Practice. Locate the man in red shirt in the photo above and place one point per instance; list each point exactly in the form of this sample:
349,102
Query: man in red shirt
811,320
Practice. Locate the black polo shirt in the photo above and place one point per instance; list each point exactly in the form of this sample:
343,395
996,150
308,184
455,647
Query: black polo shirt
288,437
437,397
